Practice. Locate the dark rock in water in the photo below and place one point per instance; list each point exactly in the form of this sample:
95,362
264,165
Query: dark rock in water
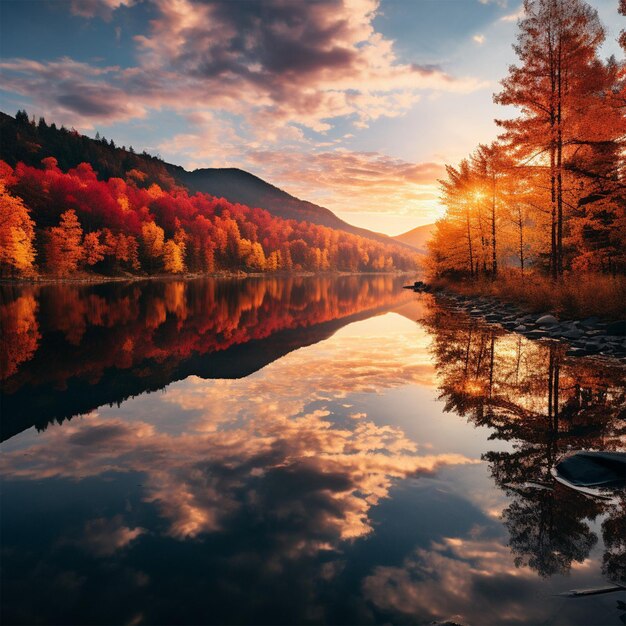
616,328
606,470
418,285
520,329
590,322
536,334
594,333
574,333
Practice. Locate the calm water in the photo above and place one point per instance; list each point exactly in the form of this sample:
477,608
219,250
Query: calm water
308,450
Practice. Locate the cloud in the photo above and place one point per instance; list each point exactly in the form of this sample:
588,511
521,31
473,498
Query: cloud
340,179
274,63
348,181
97,8
72,92
479,39
513,17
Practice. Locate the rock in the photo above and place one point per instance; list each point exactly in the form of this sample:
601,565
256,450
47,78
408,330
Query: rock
590,322
574,333
616,328
520,329
604,470
536,334
576,352
547,320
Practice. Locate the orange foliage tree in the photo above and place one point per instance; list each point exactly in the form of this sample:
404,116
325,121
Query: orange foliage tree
17,252
64,249
551,192
118,225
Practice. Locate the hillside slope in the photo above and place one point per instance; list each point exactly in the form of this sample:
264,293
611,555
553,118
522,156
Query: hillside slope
29,143
240,186
417,238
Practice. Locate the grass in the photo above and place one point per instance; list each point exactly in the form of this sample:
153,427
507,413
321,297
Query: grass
575,296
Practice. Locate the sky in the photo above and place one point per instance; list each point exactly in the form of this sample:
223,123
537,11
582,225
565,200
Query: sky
356,105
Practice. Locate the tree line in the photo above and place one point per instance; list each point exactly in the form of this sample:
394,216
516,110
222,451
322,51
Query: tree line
60,222
549,194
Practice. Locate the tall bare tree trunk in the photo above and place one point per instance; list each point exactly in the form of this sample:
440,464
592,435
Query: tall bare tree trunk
559,161
494,258
469,244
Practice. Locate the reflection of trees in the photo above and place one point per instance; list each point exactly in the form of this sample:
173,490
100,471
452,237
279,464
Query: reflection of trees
19,331
531,395
112,341
614,534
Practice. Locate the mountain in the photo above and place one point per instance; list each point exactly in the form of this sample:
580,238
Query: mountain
417,238
240,186
29,143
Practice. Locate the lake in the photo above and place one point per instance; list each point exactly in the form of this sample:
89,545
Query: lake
296,450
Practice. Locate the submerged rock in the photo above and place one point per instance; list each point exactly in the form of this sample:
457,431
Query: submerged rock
597,470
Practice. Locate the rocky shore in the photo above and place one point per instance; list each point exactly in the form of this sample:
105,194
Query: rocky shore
588,337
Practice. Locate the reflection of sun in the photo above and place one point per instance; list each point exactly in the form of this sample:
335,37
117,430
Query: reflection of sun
473,388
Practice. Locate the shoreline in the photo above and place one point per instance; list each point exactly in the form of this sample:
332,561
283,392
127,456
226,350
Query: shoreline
96,279
591,336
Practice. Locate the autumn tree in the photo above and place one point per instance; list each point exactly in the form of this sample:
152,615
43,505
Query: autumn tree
93,248
64,248
17,252
153,240
173,257
557,46
491,166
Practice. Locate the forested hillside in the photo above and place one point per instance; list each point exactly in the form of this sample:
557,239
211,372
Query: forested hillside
28,142
60,220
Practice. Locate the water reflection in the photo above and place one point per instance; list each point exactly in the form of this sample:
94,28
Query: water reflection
387,471
530,394
68,349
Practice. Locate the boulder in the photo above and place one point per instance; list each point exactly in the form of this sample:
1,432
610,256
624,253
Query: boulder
604,470
547,320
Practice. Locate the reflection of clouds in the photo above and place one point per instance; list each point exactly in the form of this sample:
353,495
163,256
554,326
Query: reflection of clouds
259,443
104,537
196,479
470,580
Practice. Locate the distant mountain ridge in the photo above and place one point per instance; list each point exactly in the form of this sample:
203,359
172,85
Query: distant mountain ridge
21,141
417,237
